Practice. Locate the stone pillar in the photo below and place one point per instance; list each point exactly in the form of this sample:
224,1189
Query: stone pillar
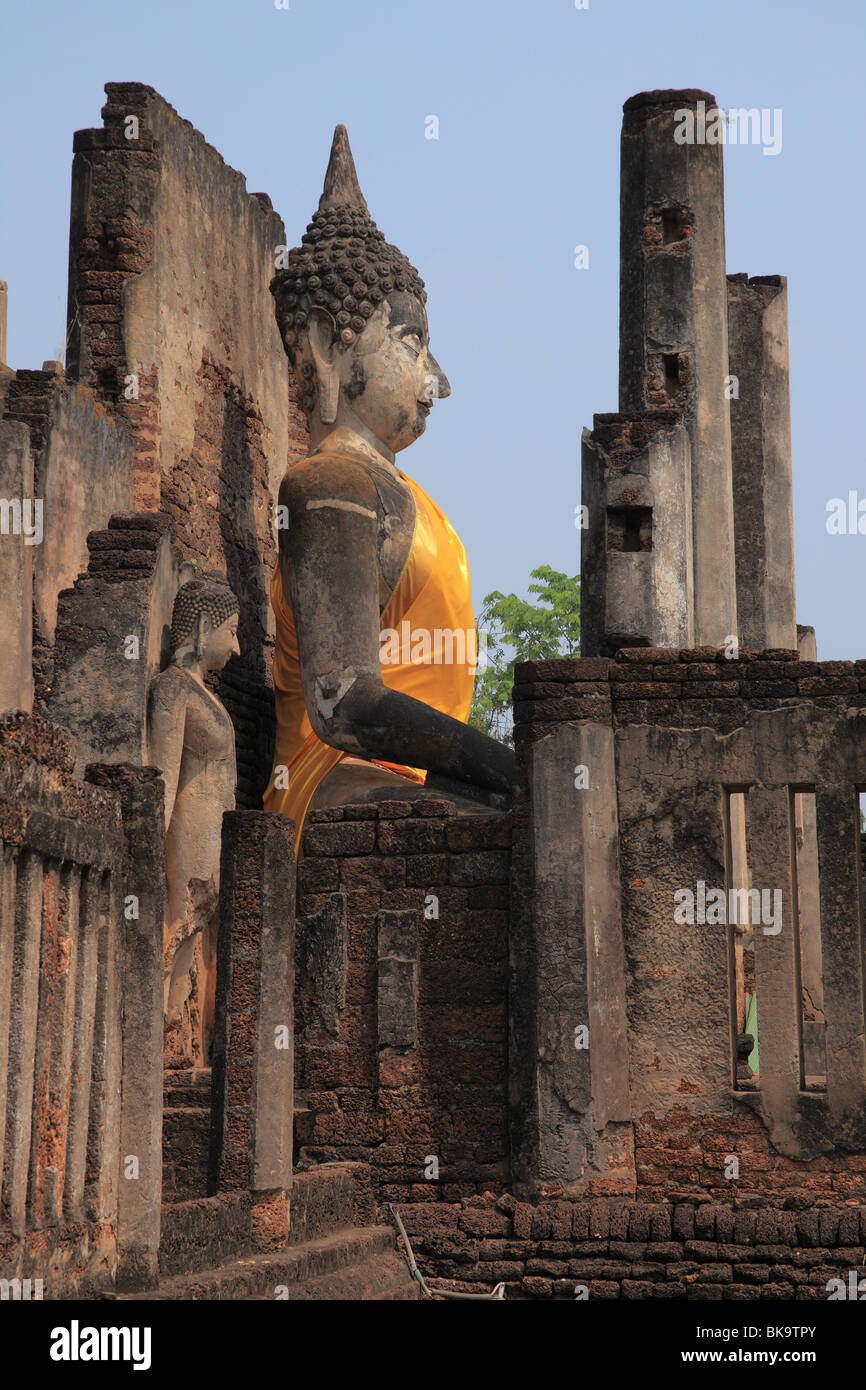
760,411
140,1181
673,317
777,965
568,1063
253,1052
636,550
17,514
840,885
808,887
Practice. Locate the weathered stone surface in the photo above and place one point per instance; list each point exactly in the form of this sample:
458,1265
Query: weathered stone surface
761,460
252,1130
673,327
17,564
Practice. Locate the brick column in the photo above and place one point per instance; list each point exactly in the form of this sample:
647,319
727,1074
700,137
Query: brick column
568,1064
253,1058
139,1200
761,460
674,317
636,552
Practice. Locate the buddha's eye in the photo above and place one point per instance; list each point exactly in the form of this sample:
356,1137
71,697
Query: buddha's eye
413,341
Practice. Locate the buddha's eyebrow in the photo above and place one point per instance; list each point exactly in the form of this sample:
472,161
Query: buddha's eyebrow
410,330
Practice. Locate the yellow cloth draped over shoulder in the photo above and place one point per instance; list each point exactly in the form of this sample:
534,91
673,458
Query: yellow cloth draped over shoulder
432,596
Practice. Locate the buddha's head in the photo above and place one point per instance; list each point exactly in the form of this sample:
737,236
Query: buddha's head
204,624
351,313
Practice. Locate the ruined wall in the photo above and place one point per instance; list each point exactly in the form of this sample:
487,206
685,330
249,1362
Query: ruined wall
82,475
61,852
172,322
400,1028
743,1250
691,727
125,592
16,571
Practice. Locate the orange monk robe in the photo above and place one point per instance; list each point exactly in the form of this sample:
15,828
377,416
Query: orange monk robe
430,608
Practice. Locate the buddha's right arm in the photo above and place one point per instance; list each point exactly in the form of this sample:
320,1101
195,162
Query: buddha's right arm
393,727
331,571
166,717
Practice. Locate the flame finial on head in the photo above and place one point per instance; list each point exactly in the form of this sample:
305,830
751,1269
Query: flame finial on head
344,266
342,189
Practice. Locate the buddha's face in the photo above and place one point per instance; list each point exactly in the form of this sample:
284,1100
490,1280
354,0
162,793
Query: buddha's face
388,377
218,644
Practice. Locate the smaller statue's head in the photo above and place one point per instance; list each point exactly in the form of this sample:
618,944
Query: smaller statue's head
351,313
204,624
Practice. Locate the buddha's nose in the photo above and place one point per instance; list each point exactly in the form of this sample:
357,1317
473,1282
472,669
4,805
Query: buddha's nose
443,385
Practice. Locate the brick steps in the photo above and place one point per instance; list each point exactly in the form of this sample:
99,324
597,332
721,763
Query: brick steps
327,1198
204,1233
361,1263
185,1139
208,1247
185,1133
187,1088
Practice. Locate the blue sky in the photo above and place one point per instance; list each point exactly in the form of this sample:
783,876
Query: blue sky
528,98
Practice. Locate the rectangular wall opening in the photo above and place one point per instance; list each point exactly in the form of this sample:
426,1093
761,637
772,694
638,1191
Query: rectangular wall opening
741,951
811,965
629,528
675,225
671,361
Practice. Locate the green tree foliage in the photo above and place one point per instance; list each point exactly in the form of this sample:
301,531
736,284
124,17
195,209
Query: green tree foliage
517,629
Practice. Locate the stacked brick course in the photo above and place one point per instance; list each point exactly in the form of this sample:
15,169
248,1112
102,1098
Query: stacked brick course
31,397
741,1250
111,241
679,688
444,1096
689,1152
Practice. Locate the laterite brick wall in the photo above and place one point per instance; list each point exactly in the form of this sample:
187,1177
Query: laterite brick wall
172,323
400,1027
691,1249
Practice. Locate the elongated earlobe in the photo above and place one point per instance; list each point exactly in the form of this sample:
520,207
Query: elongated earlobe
200,635
321,335
329,396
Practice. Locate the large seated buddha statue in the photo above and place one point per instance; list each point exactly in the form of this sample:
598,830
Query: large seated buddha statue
375,651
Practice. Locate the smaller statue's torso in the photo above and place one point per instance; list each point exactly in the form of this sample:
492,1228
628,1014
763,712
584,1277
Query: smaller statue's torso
206,779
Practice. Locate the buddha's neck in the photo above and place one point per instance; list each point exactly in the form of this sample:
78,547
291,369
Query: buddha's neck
191,665
362,440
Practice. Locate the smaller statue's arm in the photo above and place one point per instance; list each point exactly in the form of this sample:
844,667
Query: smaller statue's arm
330,567
166,718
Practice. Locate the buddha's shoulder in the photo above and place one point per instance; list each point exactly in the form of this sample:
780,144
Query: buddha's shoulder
330,474
170,687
